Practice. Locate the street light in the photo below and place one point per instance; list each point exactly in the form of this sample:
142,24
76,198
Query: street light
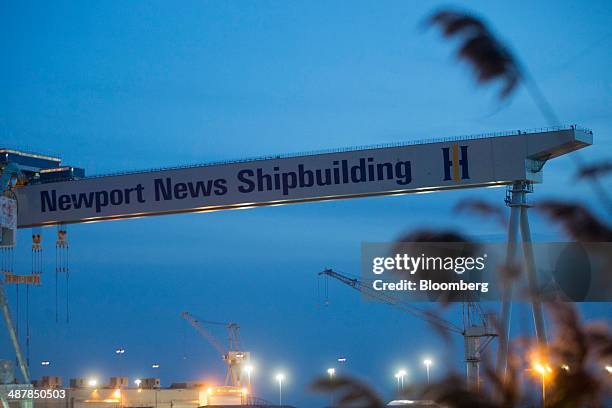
92,382
138,381
248,369
543,370
44,363
154,365
331,372
119,351
428,364
401,374
280,377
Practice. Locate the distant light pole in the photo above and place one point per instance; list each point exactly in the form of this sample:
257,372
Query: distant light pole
428,364
119,352
401,374
543,370
249,369
280,377
331,372
397,377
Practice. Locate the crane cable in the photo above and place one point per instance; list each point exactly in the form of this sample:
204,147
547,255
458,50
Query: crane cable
36,269
61,266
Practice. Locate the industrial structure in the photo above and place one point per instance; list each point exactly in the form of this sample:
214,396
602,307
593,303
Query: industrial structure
88,393
233,356
478,329
39,191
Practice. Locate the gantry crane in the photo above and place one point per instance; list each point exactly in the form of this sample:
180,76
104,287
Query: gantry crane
43,191
233,356
476,324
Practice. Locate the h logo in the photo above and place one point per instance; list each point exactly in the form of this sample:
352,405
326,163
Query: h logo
454,162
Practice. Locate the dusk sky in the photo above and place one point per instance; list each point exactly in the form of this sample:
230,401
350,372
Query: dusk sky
111,87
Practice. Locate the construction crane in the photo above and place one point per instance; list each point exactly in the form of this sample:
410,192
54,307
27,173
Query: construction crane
478,330
233,356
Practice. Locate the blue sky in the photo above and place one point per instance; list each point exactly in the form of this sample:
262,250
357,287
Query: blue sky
110,86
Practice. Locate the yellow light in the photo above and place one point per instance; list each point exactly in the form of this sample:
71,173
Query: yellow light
117,393
92,382
543,369
565,367
140,390
539,368
209,391
245,391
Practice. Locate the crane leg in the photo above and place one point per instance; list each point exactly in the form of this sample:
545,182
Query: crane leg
515,201
536,304
11,329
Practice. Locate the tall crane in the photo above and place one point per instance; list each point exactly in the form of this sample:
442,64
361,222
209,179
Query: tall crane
233,356
478,331
9,177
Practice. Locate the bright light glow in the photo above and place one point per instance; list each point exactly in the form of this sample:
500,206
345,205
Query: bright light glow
427,362
331,371
397,375
138,381
245,391
401,373
280,377
342,359
609,368
542,369
119,351
117,393
209,391
539,368
248,369
565,367
154,365
92,382
44,363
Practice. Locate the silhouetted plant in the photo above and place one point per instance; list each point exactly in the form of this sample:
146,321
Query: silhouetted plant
349,392
492,60
576,354
489,58
483,208
594,170
577,221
